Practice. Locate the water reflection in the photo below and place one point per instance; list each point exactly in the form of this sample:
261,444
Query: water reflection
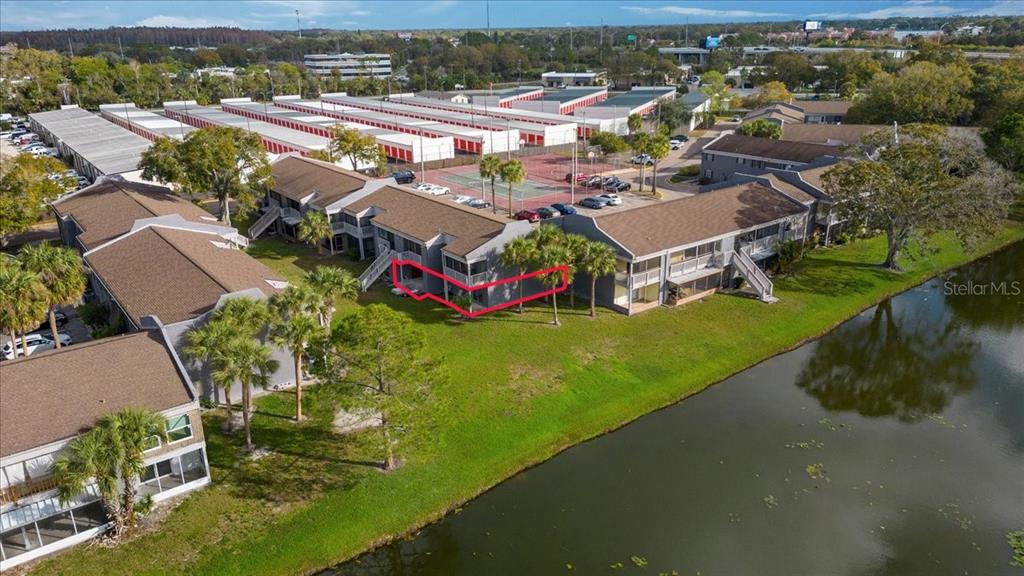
990,292
878,367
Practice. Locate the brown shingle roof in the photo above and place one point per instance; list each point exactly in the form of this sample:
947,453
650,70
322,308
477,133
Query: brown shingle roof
779,112
843,134
799,152
664,225
108,209
813,176
830,107
175,274
52,396
791,190
424,217
297,177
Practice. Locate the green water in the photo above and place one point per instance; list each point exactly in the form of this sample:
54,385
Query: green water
894,445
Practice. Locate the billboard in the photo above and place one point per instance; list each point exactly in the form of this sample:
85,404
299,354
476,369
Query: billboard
631,38
811,25
710,42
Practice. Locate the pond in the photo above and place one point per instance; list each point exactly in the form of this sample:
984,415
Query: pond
892,445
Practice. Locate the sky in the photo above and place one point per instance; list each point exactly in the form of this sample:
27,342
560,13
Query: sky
410,15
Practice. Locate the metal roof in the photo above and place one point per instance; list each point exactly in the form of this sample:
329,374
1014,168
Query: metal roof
634,98
570,94
222,118
146,120
107,147
452,130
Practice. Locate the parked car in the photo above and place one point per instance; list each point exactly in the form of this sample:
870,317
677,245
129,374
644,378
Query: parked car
424,186
680,138
612,198
478,203
32,146
37,342
404,176
528,215
83,181
565,209
462,199
675,144
642,159
593,182
546,212
17,133
25,139
736,118
612,184
59,316
622,187
440,190
580,177
595,202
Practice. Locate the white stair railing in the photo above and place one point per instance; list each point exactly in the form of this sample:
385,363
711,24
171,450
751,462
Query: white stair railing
371,274
757,278
264,222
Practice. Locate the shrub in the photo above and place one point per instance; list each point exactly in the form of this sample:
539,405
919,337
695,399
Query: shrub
789,253
94,315
689,171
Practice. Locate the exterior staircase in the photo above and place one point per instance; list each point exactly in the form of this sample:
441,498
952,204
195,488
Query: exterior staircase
758,280
377,267
268,218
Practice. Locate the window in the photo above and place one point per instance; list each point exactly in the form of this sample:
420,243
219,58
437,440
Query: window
385,234
349,219
457,265
179,428
172,473
335,218
767,231
414,247
478,267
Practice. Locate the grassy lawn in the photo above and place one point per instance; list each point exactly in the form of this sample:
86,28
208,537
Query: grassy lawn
520,391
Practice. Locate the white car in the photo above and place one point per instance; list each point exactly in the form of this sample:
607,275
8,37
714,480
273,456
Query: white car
37,342
462,199
436,190
424,186
612,198
675,144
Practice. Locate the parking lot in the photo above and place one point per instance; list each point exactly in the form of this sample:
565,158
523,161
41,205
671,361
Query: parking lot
74,328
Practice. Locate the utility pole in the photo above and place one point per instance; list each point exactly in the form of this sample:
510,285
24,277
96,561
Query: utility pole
687,43
70,47
120,48
298,24
488,18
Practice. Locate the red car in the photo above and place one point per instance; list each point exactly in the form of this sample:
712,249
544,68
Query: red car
580,177
528,215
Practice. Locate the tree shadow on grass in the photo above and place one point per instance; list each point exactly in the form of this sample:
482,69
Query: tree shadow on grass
834,277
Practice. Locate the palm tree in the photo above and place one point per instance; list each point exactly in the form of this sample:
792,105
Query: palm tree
512,172
248,315
62,273
314,229
248,362
657,148
22,303
641,143
294,327
490,168
577,246
206,344
549,256
111,454
519,253
331,284
600,261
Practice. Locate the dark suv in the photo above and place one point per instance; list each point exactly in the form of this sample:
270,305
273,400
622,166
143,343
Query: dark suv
404,176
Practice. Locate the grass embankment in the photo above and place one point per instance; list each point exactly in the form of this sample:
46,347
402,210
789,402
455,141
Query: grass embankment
521,391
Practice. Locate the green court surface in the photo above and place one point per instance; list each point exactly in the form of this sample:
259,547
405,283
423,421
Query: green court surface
525,191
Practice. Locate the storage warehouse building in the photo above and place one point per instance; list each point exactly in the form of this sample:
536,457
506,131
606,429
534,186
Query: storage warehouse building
564,101
94,146
640,100
465,139
396,145
143,122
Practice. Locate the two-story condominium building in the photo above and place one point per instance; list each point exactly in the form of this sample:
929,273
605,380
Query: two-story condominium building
348,65
460,242
732,153
675,251
110,207
802,112
48,399
302,184
181,274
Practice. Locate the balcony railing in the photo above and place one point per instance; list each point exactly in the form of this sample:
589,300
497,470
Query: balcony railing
467,279
407,255
688,266
16,492
644,278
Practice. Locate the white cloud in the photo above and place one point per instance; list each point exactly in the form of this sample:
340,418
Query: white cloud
694,11
187,22
438,6
931,9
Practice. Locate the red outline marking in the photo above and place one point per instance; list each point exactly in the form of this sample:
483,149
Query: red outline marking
395,263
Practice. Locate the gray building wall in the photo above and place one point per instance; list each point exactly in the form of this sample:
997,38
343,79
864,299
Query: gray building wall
718,167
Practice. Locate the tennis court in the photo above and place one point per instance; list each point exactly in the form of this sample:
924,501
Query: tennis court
545,182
